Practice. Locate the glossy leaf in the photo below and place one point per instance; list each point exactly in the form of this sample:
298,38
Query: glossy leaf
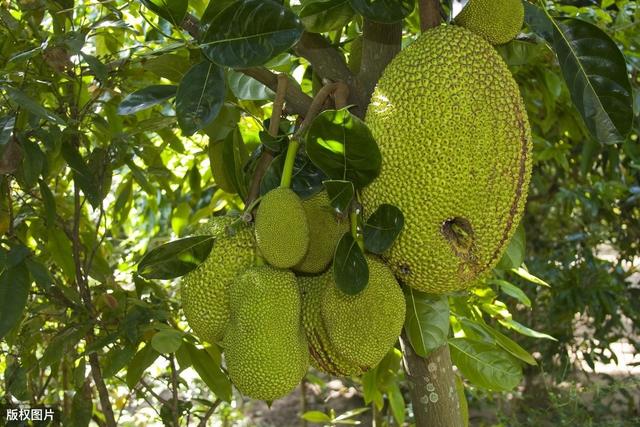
427,321
341,145
524,330
514,255
383,228
306,179
173,11
595,72
199,97
6,129
485,365
209,371
350,269
146,98
32,106
250,32
524,273
14,291
321,16
512,290
383,10
340,194
316,417
139,364
167,340
509,345
175,259
248,88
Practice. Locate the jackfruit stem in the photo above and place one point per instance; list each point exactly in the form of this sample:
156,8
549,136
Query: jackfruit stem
287,171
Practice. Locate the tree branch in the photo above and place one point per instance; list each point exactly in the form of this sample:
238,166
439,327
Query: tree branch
297,101
209,414
432,386
380,44
430,14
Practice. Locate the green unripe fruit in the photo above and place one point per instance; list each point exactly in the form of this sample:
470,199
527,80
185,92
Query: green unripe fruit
456,158
282,229
498,21
265,347
204,290
325,230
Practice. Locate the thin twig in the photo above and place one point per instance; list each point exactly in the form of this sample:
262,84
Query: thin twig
209,414
174,390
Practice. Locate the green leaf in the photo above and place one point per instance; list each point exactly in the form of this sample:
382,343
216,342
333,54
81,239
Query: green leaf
146,98
383,10
427,321
59,247
61,343
175,259
396,401
248,33
81,407
34,107
209,371
595,71
32,163
180,217
350,269
117,358
199,97
306,179
83,173
341,145
522,272
99,69
14,291
234,157
485,365
169,66
383,228
316,417
173,11
140,362
49,203
462,398
524,330
341,194
508,344
248,88
6,129
512,290
514,255
321,16
167,340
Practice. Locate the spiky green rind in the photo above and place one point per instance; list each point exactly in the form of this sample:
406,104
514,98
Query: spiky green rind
204,290
498,21
282,229
323,355
364,327
325,230
265,346
456,158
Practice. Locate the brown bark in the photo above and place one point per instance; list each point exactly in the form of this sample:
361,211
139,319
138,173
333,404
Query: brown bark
432,386
430,14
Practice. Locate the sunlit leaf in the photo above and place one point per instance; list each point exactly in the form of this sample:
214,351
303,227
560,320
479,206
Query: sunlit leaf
320,16
427,321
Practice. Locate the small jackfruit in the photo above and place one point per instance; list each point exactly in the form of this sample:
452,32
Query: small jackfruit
350,334
325,230
204,290
282,229
323,355
265,346
363,327
456,158
498,21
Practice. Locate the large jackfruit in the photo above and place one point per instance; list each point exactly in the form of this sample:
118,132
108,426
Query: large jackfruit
204,290
350,334
325,230
282,229
456,158
498,21
265,346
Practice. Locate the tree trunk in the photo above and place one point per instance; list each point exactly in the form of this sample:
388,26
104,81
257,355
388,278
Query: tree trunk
432,386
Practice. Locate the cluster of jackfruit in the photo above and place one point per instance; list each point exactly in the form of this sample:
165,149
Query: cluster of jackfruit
456,158
271,324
